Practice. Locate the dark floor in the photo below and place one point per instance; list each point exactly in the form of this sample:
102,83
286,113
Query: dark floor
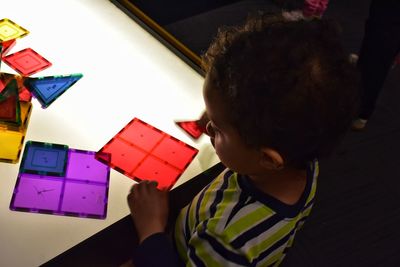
356,218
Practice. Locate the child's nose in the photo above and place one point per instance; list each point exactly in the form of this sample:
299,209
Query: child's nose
209,129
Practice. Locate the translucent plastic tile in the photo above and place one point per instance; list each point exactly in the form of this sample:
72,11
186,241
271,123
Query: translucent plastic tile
192,128
11,30
36,193
175,152
9,104
83,166
84,199
26,110
48,89
44,159
26,62
7,46
5,78
141,134
124,157
157,170
82,192
12,137
140,151
24,94
10,146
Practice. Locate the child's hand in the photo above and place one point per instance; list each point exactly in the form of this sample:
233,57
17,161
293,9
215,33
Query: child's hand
149,208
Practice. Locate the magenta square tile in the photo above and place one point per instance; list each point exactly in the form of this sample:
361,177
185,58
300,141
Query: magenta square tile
85,199
82,165
36,192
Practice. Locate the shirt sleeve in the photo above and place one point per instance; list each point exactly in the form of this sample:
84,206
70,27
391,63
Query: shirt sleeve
207,248
156,250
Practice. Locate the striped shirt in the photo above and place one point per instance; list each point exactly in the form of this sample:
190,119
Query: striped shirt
232,223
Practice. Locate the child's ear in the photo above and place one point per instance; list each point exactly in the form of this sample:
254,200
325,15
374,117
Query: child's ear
271,159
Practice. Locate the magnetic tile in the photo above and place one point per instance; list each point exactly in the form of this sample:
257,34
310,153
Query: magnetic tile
124,157
44,158
175,152
7,46
26,110
82,192
9,104
11,30
48,89
12,137
26,62
141,134
192,128
141,151
5,78
24,95
157,170
84,199
82,165
10,146
36,193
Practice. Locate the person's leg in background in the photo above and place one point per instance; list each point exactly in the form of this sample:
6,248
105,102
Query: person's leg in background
380,45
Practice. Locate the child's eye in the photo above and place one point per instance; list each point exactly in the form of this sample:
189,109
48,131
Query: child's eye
211,129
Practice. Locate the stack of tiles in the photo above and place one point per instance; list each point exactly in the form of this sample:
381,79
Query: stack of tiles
16,91
15,111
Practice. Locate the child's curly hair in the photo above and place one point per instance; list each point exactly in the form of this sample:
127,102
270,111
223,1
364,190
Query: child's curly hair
289,85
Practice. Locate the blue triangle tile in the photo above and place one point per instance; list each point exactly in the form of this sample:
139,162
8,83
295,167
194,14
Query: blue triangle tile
48,89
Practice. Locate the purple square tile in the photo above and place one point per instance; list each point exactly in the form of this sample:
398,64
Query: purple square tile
84,199
35,192
82,165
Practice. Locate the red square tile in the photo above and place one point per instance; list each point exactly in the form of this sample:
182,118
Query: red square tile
141,134
27,62
124,157
141,151
157,170
175,152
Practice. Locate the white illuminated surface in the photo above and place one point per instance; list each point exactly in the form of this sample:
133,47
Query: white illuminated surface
127,73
